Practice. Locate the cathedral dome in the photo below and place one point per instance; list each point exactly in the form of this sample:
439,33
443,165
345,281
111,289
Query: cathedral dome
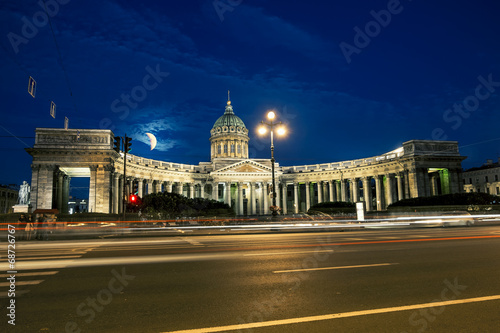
229,136
229,119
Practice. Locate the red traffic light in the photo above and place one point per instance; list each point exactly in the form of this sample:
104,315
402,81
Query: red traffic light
133,198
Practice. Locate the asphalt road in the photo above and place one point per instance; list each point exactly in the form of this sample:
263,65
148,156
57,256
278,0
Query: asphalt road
412,280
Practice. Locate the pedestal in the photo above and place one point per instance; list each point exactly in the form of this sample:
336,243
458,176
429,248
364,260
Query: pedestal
22,208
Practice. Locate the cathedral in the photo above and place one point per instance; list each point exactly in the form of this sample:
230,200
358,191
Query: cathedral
418,168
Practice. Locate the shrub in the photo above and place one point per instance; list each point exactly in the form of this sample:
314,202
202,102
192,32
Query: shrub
332,208
450,199
172,205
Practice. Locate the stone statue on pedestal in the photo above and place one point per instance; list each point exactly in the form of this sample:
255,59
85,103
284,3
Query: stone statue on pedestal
24,194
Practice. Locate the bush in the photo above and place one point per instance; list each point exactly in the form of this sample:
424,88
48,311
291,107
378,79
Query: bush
171,205
450,199
332,208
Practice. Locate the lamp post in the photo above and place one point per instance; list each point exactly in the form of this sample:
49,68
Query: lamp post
281,131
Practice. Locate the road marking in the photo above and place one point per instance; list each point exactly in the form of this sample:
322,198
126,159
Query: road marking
21,283
284,253
30,274
51,257
4,294
337,315
328,268
192,242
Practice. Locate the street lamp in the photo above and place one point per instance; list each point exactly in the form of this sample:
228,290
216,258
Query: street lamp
280,131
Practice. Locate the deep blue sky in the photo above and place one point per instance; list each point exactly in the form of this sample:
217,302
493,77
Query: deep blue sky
283,55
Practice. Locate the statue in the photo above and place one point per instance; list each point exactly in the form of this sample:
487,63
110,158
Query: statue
24,194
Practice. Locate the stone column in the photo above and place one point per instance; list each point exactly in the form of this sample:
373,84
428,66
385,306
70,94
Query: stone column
130,185
401,190
92,189
285,199
390,188
215,191
355,189
343,192
169,186
319,185
296,197
116,193
227,196
140,187
333,192
338,189
191,190
65,195
59,186
240,198
202,190
265,193
252,199
308,196
434,183
367,193
416,183
149,184
379,192
278,195
180,188
455,183
35,169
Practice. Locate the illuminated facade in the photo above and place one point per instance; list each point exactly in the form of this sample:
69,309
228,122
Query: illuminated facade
418,168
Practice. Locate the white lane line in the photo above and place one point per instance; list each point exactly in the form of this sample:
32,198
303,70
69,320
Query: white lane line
337,315
29,274
337,267
284,253
4,294
51,257
192,242
22,283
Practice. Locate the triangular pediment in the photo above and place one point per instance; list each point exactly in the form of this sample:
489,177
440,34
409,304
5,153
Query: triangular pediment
247,166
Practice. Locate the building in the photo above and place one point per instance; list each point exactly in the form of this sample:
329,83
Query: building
76,206
418,168
8,198
484,179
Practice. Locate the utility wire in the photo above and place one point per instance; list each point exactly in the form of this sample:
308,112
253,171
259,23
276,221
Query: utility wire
60,58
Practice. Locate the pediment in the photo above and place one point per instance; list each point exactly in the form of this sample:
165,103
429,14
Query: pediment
244,167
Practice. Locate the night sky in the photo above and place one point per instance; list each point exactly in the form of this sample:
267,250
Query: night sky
351,79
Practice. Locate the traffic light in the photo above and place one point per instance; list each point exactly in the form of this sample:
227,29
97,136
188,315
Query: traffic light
116,146
127,143
133,199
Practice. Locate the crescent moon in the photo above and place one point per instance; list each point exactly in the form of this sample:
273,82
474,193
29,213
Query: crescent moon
152,140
